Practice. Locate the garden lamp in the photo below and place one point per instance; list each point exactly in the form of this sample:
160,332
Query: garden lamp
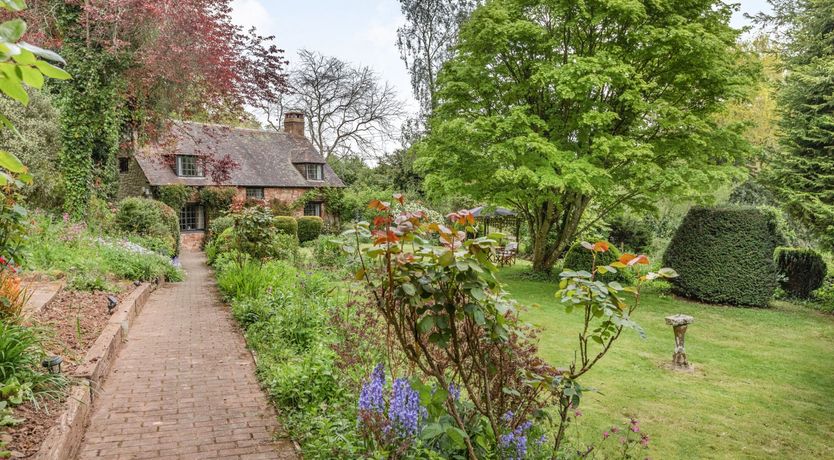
53,364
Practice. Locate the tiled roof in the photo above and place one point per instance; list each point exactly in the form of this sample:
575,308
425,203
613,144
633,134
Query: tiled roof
265,158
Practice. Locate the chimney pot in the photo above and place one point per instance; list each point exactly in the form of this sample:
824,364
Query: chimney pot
294,122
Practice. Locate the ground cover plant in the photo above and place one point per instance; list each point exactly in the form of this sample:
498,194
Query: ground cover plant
92,260
752,368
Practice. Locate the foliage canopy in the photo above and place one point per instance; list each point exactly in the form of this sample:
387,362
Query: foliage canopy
557,107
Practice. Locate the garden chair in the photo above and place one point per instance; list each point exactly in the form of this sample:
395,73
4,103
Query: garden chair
507,254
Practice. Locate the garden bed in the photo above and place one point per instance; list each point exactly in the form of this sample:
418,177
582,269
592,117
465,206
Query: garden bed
75,319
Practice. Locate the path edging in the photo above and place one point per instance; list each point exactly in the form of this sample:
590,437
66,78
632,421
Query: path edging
63,440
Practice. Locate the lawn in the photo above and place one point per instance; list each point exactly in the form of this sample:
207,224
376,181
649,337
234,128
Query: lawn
763,385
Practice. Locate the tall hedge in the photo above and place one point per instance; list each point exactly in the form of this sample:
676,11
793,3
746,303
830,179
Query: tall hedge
801,271
309,228
725,255
151,218
580,258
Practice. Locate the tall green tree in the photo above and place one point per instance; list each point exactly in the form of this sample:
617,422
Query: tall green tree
556,108
802,175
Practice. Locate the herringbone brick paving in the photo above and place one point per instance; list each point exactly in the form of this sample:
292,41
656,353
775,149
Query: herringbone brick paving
184,386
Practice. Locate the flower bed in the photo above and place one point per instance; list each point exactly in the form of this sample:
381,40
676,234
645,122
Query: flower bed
74,320
428,312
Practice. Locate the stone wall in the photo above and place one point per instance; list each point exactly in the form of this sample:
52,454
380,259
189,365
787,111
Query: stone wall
133,182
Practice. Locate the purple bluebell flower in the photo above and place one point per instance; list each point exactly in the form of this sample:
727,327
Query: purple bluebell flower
542,439
405,412
454,391
507,417
514,444
371,397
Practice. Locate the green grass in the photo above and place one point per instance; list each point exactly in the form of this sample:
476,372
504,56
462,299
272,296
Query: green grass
763,385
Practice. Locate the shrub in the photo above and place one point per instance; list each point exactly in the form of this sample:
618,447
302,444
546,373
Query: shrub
629,233
174,195
216,199
145,217
12,296
724,255
88,281
579,258
280,207
801,271
284,247
309,228
286,225
328,253
217,226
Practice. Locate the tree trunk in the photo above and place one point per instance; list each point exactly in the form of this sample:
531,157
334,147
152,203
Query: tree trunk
562,221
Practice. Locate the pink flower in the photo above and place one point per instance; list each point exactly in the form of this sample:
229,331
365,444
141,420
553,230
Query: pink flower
578,413
644,440
614,429
605,435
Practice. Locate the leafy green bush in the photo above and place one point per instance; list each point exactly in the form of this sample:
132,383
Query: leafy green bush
217,226
579,258
725,255
280,207
630,233
145,217
174,195
216,200
309,228
286,225
145,267
328,253
88,281
284,247
801,271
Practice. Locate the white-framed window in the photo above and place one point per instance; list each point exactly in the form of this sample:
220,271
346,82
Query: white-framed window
255,193
189,166
312,209
314,171
192,218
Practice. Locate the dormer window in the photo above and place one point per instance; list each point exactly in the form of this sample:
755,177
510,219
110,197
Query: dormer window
189,166
314,171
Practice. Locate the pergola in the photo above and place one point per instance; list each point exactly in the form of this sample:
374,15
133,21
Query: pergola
499,218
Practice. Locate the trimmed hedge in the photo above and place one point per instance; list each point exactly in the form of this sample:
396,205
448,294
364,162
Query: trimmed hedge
309,228
579,258
801,271
286,225
724,255
145,217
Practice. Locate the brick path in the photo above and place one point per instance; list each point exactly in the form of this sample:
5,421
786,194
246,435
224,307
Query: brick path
184,385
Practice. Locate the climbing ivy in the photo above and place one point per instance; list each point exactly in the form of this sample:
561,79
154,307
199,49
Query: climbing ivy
91,116
175,195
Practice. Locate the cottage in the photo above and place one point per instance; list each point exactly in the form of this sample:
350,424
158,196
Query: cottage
271,165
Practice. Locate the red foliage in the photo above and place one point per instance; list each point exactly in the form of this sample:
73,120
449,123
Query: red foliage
183,57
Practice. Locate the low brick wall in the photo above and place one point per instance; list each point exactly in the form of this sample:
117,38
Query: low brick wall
64,440
192,240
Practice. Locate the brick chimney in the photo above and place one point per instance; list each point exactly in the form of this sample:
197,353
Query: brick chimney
294,122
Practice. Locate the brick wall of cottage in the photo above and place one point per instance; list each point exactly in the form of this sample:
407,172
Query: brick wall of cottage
133,182
287,195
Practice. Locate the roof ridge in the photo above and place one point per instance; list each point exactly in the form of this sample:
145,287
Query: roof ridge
240,128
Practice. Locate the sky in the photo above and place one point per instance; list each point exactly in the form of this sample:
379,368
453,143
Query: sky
359,31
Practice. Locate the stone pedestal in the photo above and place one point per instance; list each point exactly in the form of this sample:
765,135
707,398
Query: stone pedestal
679,324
